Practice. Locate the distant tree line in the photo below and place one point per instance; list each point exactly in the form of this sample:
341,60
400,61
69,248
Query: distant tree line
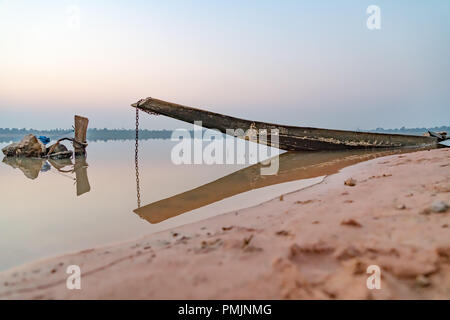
27,131
126,134
16,134
412,131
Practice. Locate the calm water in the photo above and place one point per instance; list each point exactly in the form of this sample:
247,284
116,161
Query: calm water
41,214
48,209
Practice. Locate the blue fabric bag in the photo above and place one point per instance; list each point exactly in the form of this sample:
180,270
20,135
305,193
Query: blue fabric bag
44,139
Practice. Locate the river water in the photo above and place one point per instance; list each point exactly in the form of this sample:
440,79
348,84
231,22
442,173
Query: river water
53,207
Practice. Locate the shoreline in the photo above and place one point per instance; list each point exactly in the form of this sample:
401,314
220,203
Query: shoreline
314,243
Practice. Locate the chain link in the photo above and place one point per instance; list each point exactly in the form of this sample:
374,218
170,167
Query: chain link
136,160
136,155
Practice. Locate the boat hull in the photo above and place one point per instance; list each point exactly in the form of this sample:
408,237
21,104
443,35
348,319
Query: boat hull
289,138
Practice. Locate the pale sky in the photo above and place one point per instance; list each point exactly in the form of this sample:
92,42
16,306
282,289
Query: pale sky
306,63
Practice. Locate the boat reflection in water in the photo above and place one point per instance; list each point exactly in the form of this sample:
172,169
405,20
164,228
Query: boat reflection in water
292,166
31,167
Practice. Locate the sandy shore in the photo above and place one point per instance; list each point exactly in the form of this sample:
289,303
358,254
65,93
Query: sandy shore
315,243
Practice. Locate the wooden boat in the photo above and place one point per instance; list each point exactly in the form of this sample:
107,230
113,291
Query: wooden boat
290,138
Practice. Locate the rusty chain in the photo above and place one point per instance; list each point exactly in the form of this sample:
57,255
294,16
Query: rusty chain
136,160
136,156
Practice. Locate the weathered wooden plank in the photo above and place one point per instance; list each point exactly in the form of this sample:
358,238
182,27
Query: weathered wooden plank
290,138
81,124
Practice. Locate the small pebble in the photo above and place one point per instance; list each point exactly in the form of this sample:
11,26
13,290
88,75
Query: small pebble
282,233
422,281
350,182
401,207
351,222
439,206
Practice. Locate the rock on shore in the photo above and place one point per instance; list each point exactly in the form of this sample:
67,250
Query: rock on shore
29,146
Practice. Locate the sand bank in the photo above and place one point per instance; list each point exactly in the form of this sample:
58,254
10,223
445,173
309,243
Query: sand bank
315,243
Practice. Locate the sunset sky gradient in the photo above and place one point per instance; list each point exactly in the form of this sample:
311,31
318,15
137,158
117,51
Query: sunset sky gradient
310,63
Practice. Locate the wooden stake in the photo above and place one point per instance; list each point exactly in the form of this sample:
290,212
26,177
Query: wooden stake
81,124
